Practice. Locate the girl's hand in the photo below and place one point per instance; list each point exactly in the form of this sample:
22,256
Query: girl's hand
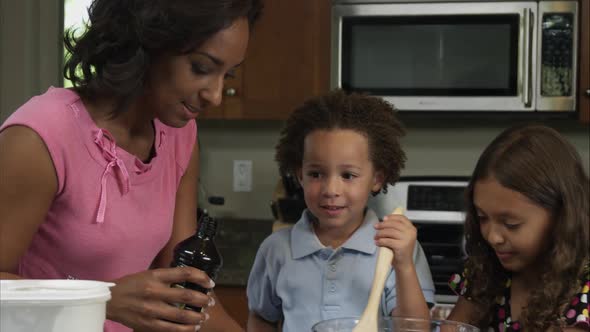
143,301
398,234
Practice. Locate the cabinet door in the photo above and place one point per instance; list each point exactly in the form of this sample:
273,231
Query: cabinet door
287,62
584,82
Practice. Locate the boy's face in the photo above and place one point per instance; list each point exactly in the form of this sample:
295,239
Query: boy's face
337,177
515,227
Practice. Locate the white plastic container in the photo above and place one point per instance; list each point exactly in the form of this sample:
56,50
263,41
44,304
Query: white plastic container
53,305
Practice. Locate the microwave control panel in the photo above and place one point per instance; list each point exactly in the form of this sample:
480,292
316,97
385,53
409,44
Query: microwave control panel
557,54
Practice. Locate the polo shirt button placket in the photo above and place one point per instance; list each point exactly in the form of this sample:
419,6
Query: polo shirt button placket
332,287
325,254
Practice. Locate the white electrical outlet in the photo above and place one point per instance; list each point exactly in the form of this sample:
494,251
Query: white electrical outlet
242,175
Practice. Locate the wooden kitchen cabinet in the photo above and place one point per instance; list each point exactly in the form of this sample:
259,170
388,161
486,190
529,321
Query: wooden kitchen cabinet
584,73
287,62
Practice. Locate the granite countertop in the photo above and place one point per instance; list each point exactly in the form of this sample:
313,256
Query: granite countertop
237,241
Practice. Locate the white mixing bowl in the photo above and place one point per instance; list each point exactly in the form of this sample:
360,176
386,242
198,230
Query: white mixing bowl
53,305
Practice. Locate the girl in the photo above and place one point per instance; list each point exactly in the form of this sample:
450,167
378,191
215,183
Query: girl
342,149
100,181
526,236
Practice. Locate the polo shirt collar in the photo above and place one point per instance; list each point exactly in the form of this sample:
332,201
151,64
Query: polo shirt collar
304,241
363,240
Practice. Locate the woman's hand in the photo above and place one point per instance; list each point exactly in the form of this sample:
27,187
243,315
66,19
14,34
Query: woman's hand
399,234
143,301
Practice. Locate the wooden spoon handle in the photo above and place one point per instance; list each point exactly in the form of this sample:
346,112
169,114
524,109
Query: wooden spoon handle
384,259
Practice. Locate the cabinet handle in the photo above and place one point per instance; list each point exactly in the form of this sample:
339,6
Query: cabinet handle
588,92
230,92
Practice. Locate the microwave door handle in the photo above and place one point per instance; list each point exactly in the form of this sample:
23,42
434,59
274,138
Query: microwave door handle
528,44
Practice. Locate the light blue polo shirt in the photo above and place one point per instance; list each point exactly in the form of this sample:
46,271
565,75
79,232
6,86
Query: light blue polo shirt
300,281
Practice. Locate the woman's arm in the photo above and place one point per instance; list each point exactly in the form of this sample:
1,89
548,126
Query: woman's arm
185,218
185,211
257,324
28,184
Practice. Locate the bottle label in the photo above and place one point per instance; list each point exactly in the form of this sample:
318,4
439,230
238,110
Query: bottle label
191,286
180,305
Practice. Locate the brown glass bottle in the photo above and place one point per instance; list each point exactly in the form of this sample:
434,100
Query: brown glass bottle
200,252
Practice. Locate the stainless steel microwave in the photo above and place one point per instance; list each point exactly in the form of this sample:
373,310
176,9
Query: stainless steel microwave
458,56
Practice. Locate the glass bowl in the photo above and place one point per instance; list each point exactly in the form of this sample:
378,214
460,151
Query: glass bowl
395,324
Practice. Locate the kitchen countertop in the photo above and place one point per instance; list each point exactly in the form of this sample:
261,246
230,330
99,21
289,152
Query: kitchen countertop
237,241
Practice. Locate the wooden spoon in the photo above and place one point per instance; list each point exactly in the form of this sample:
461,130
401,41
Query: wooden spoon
370,317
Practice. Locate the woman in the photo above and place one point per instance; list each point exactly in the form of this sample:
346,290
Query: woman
100,181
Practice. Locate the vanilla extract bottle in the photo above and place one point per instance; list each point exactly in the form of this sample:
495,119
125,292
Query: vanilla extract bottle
200,252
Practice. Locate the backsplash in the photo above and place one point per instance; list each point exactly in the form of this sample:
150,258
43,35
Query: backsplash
238,241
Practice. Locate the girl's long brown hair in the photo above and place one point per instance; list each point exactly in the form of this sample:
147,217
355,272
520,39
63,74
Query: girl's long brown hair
539,163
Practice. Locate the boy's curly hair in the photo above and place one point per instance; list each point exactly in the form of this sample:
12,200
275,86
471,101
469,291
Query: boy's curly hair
539,163
370,116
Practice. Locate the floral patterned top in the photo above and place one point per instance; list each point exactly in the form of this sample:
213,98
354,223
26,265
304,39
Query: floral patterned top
576,313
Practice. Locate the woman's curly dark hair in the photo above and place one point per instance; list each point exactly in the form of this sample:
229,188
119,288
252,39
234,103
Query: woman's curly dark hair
124,37
539,163
370,116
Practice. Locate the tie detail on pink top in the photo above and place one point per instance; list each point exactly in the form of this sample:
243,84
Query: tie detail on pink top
105,141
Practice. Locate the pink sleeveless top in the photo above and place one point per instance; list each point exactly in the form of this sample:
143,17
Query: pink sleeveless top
112,213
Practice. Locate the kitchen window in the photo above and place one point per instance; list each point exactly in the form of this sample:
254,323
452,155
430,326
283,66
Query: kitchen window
75,17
